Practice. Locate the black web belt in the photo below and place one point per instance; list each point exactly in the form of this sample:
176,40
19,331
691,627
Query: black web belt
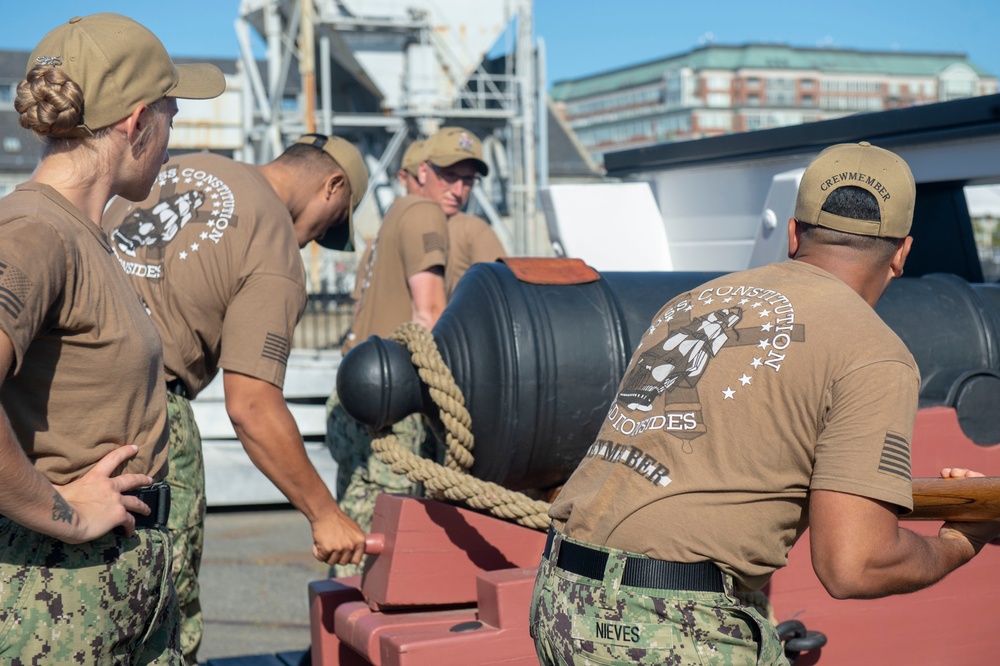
157,498
177,387
639,571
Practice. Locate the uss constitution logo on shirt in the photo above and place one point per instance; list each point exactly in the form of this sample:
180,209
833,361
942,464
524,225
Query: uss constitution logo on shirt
184,199
662,389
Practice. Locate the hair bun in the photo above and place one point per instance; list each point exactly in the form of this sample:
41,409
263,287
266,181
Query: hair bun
49,103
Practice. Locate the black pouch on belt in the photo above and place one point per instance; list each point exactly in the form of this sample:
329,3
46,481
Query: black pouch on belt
157,498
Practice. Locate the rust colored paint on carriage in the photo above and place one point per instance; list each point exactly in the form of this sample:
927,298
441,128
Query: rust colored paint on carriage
448,584
460,586
947,623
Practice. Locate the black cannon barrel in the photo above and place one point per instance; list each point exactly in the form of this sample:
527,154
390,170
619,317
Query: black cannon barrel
952,328
539,364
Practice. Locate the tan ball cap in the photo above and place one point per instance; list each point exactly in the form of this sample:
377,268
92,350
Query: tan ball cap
413,157
348,158
120,64
863,165
451,145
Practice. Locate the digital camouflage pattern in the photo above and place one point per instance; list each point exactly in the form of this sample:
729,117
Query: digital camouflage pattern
187,519
361,476
579,620
108,601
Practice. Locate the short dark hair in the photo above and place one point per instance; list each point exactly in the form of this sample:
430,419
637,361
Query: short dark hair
307,155
853,202
858,204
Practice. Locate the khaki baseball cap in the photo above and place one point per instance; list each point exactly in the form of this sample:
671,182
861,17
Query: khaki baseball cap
412,158
451,145
863,165
343,152
119,64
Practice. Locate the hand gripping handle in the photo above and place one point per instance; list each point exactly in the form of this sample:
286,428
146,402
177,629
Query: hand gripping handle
374,544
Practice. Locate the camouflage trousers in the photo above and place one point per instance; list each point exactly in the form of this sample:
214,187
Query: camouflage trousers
578,620
108,601
187,519
361,476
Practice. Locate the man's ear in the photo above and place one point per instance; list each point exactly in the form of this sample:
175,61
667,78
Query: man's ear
331,183
793,238
422,174
899,258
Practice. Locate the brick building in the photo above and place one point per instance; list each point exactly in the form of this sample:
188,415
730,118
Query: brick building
717,89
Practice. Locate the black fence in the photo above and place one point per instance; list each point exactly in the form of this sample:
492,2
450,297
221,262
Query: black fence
325,322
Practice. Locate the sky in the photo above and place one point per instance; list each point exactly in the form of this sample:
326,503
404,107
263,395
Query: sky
584,37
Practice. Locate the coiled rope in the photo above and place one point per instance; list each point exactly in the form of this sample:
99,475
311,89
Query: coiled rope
452,481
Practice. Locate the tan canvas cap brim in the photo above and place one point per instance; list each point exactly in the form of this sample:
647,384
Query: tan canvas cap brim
198,81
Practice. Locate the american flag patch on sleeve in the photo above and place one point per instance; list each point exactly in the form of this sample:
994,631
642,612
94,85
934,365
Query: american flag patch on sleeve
276,348
434,242
895,457
14,288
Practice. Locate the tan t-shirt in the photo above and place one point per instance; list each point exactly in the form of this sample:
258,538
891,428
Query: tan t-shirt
87,374
470,241
743,395
213,254
413,238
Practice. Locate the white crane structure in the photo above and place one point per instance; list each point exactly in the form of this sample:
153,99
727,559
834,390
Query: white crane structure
380,72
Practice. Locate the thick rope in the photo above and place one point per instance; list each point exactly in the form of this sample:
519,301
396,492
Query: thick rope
444,392
453,482
444,483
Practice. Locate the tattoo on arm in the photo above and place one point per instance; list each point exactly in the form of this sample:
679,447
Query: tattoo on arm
61,510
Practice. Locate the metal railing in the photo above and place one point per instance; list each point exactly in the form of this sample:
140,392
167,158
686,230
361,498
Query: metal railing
325,322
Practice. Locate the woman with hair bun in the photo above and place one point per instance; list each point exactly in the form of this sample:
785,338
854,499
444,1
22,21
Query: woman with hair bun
84,552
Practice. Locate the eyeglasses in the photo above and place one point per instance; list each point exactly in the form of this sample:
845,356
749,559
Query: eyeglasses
450,177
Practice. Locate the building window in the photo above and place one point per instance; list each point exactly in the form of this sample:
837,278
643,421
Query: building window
718,99
290,103
753,100
717,82
7,93
780,97
11,144
717,120
807,84
808,100
753,81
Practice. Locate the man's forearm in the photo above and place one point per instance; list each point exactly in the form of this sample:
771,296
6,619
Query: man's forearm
859,551
426,318
427,298
911,563
271,439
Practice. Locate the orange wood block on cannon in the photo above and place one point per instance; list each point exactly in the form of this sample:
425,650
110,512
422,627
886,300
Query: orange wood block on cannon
448,584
